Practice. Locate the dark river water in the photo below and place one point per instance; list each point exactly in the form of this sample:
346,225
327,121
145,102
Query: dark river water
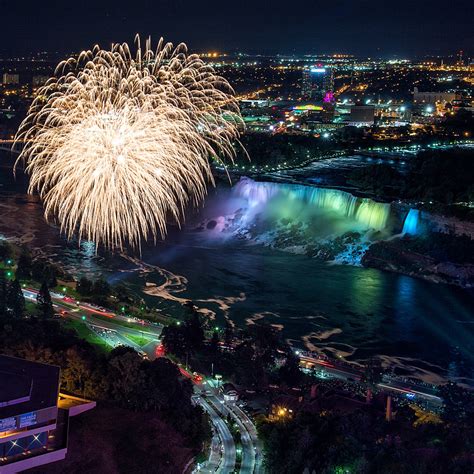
423,329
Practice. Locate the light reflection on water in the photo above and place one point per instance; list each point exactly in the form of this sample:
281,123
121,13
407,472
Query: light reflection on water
423,328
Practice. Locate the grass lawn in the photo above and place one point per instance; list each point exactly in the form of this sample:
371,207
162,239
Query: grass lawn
140,340
85,333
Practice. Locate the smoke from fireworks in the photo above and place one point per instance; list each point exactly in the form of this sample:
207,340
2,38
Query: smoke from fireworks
117,143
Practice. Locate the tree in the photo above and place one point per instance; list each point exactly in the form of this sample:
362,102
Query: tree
101,288
193,331
174,341
44,271
456,401
24,266
228,333
6,250
84,286
45,305
15,301
126,379
214,344
82,374
123,294
3,294
290,372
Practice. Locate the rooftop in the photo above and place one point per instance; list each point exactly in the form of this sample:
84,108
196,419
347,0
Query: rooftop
26,386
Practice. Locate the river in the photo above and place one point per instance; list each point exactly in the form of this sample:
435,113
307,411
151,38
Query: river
225,261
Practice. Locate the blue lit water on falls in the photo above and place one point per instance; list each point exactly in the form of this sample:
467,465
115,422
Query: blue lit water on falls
421,328
412,222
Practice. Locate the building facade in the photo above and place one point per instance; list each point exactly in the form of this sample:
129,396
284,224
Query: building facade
10,79
362,115
317,81
33,429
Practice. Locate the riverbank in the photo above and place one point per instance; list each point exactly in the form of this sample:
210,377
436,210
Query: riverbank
397,256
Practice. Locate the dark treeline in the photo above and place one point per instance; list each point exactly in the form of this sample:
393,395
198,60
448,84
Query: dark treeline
263,149
363,442
253,357
443,176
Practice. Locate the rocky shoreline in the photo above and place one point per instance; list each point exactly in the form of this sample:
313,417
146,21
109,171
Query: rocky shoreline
393,256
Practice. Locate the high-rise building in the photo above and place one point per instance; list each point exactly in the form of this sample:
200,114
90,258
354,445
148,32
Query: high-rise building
10,78
317,81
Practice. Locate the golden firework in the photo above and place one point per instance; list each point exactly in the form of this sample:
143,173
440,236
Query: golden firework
116,144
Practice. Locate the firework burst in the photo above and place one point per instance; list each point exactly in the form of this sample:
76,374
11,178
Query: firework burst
118,144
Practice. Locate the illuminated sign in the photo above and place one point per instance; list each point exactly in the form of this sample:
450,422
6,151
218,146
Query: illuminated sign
7,424
318,69
307,107
27,419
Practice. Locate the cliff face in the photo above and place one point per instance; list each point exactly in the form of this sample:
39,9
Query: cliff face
451,225
394,256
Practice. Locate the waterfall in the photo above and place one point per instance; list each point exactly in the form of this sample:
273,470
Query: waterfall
371,214
412,222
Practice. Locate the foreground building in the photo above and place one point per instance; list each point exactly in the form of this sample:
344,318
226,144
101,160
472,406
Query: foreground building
33,428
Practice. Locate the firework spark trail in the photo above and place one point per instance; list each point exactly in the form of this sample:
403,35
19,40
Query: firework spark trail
117,143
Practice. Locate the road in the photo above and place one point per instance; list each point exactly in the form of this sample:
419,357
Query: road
102,320
252,432
252,449
227,463
247,464
343,371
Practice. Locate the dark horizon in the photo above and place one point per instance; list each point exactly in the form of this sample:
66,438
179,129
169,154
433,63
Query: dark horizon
363,28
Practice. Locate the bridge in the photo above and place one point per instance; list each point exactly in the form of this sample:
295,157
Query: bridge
340,369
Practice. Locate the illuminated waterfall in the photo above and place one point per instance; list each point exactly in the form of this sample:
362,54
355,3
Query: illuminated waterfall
371,214
412,222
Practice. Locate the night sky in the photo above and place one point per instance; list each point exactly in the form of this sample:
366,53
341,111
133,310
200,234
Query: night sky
365,27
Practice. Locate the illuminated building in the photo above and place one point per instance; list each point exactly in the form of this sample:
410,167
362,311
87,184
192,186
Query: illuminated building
317,81
10,79
33,428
